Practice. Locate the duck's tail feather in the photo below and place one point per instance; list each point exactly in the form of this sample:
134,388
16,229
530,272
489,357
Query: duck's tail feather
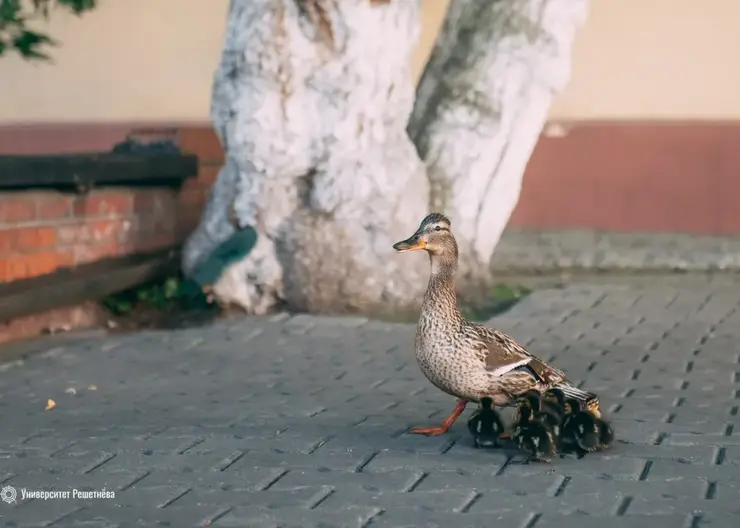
589,400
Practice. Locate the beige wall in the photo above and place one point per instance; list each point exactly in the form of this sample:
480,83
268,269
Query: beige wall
153,60
129,60
656,59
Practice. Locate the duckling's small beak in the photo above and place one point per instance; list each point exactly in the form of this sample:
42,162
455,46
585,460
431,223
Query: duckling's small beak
413,243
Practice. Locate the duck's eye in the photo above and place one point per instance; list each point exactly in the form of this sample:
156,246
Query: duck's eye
437,228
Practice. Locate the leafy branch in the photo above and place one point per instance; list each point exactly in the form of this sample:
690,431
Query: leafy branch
15,32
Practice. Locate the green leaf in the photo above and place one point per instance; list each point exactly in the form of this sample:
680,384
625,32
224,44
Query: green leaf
79,6
15,15
10,12
124,306
171,288
29,42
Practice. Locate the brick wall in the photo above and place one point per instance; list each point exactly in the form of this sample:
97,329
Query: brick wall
42,231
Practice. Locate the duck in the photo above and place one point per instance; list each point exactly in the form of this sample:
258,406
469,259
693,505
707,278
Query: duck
533,436
486,425
464,359
583,432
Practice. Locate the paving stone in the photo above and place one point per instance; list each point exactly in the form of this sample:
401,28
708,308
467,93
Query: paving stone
582,504
367,481
350,516
301,421
625,521
410,518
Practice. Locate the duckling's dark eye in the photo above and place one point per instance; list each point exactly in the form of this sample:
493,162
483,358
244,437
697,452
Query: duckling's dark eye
437,228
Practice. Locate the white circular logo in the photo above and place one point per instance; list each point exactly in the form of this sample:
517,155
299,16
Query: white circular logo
8,494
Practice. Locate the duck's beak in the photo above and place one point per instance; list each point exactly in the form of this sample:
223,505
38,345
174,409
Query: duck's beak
413,243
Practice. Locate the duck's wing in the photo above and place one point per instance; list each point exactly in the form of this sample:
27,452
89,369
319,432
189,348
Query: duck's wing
503,355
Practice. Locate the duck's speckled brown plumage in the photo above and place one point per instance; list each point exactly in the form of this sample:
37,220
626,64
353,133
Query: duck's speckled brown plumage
465,359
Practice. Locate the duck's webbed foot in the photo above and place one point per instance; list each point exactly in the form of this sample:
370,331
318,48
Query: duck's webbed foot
442,429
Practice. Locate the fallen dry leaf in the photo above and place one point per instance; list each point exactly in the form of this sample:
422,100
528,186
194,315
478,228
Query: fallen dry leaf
92,387
50,404
71,390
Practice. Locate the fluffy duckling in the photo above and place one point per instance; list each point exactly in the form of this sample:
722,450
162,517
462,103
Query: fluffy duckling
582,431
554,400
531,435
544,411
485,425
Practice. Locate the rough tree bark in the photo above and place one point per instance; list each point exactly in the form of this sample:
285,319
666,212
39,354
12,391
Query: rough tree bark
311,102
481,105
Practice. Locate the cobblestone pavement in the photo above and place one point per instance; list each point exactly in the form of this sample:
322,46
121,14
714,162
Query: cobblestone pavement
300,422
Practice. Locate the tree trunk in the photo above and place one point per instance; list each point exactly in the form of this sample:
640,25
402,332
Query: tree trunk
481,105
311,102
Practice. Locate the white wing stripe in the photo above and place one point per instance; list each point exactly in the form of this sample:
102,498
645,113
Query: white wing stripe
500,371
574,392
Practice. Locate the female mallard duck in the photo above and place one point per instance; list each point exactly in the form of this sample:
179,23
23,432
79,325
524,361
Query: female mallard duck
464,359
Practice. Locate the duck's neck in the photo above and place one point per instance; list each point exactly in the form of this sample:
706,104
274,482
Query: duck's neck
440,297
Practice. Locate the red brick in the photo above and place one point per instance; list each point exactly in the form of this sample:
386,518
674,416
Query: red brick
104,203
192,198
84,254
94,231
16,208
27,239
52,207
160,201
164,203
42,263
144,201
24,266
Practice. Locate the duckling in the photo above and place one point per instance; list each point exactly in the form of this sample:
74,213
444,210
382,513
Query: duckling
485,425
544,411
582,431
533,436
555,399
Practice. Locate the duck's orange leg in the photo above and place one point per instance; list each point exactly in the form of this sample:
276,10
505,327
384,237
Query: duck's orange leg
442,429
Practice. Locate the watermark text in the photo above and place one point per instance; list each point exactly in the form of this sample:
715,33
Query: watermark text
10,494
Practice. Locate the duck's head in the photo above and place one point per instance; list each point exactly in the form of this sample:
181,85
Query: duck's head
434,236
